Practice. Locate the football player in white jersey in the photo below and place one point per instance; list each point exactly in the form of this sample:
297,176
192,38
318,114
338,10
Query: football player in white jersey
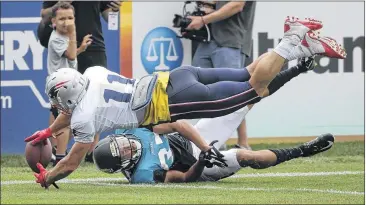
101,100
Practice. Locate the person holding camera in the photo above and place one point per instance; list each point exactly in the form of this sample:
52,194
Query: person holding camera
231,26
87,22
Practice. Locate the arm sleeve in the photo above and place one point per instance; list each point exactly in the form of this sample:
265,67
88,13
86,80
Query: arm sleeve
59,46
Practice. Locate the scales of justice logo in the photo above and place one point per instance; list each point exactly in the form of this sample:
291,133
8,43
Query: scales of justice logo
161,50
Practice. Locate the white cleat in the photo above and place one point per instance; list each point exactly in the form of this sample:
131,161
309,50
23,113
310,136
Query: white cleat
295,26
325,46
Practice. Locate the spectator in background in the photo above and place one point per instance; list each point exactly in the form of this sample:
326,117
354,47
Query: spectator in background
231,31
62,52
87,21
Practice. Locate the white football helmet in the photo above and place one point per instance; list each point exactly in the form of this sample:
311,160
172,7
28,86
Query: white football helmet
65,89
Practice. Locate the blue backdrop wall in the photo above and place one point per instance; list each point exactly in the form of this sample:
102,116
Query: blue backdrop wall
23,73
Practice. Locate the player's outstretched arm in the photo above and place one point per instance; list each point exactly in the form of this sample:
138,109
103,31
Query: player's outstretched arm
192,175
207,159
185,129
69,163
61,122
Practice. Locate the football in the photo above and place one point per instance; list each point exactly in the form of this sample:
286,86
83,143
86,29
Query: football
42,152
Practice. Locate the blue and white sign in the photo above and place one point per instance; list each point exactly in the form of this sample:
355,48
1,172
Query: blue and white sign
24,104
161,50
23,73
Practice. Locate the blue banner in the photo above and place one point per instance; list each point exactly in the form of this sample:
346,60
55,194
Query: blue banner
24,104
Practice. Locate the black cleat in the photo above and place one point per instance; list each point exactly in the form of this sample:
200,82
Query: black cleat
315,146
56,159
54,149
89,158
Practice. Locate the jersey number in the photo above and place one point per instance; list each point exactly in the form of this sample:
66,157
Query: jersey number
163,153
114,94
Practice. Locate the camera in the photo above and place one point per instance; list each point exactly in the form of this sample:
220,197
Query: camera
181,21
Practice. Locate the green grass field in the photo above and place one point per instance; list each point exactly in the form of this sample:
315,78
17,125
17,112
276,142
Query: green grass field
334,177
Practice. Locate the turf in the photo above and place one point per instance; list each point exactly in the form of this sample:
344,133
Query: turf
346,188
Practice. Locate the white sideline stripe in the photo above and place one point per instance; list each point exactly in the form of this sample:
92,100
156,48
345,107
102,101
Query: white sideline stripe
169,186
296,174
176,186
26,83
283,174
69,181
20,20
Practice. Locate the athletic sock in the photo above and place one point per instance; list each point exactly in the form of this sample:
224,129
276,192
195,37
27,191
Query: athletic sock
286,46
299,51
58,158
282,78
286,154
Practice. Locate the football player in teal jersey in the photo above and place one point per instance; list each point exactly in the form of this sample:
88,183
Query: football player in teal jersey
144,156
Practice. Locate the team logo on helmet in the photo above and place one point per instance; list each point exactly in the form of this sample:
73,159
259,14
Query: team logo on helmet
54,90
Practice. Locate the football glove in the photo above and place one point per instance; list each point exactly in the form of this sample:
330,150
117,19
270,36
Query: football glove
212,157
41,177
305,65
39,136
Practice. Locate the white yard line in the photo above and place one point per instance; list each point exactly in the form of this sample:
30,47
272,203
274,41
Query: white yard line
278,174
112,182
177,186
296,174
89,180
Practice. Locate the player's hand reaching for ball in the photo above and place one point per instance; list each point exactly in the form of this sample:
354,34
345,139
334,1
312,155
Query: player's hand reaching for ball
39,136
41,177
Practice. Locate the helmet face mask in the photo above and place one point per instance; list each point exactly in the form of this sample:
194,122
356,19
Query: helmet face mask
65,88
117,153
129,151
61,109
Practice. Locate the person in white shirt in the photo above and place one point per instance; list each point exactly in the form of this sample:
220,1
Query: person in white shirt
62,53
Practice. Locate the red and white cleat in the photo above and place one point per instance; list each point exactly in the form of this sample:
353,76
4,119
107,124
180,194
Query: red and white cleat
295,26
325,46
